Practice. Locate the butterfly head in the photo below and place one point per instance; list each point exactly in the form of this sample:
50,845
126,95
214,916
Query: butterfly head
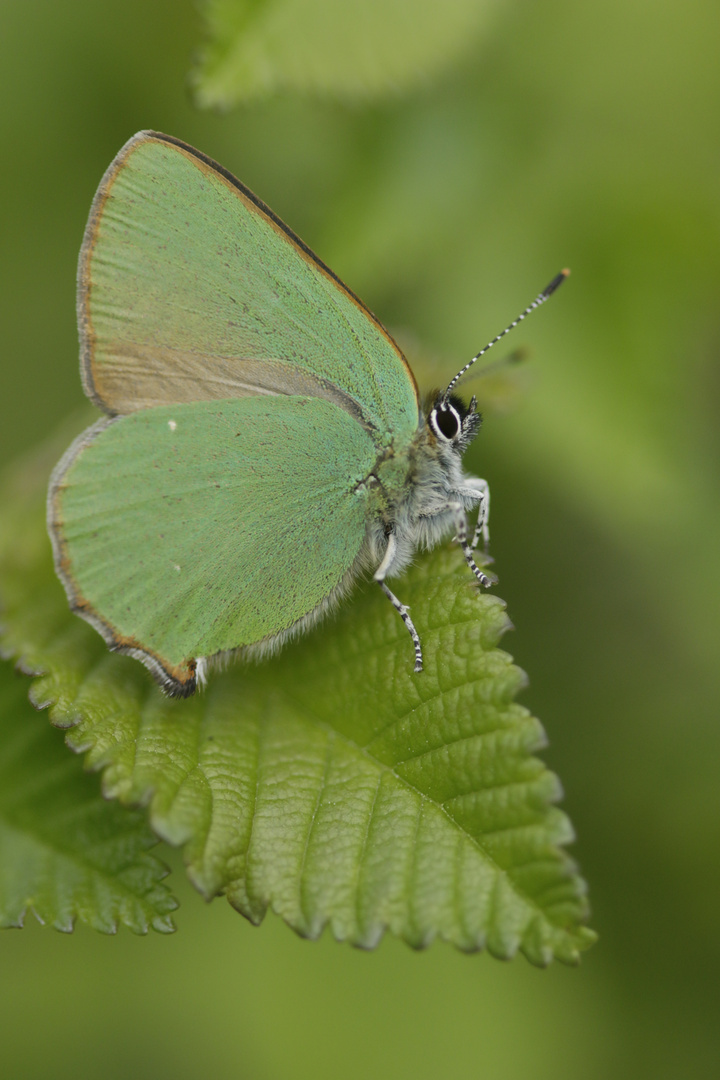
453,423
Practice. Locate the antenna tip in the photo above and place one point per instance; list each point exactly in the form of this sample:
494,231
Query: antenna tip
554,284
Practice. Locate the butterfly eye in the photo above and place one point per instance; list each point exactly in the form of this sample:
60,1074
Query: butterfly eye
445,423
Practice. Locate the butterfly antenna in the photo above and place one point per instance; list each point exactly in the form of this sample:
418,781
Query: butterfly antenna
540,299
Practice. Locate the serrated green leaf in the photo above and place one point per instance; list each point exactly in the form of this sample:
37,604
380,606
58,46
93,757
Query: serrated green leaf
65,852
331,784
351,50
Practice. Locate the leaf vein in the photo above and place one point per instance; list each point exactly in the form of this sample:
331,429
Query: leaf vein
311,826
362,856
522,895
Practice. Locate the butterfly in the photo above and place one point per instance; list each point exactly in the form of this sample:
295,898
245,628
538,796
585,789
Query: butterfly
263,441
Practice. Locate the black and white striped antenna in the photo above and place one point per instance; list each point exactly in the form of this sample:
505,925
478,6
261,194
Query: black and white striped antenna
540,299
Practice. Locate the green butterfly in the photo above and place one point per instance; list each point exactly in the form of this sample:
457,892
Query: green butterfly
263,442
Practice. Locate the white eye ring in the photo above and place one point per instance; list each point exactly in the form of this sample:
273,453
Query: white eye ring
436,426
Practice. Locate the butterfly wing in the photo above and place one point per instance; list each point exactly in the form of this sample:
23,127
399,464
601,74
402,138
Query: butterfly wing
190,288
184,531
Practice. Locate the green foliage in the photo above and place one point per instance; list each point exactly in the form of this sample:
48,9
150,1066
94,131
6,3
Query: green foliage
572,134
66,853
358,49
330,784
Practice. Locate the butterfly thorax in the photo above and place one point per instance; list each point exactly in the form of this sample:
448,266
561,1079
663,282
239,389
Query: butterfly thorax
417,491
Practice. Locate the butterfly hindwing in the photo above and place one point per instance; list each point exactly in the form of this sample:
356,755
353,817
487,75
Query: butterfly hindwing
184,531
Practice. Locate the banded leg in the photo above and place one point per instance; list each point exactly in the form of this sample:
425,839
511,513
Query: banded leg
482,527
403,612
479,492
461,537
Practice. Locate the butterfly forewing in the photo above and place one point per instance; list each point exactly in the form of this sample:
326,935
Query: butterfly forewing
190,289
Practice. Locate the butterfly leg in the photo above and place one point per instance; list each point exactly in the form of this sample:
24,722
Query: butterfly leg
482,527
479,492
461,537
403,612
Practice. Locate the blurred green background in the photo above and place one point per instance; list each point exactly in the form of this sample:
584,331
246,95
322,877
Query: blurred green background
560,134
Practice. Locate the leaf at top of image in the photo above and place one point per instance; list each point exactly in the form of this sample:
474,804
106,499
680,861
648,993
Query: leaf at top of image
349,50
330,784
